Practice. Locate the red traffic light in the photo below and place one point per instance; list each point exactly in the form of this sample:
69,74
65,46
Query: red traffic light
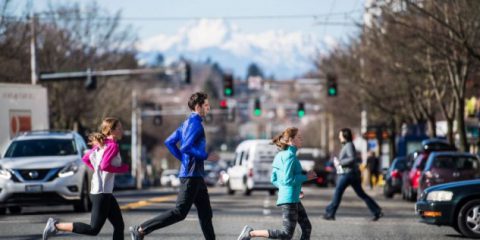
223,104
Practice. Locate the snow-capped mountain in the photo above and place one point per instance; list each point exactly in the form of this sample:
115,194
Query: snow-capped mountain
279,53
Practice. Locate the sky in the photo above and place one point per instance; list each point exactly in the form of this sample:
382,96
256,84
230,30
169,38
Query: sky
167,19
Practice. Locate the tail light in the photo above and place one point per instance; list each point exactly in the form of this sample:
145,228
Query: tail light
319,180
395,174
416,178
250,172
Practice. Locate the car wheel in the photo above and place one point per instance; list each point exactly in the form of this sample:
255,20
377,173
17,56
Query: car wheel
83,205
469,219
229,189
3,211
15,210
272,192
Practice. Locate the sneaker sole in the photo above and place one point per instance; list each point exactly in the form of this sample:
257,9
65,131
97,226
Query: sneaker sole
243,231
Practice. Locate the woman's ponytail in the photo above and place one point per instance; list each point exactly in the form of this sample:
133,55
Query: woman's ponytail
108,125
281,140
96,138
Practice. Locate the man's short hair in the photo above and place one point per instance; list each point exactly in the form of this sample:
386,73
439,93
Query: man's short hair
197,98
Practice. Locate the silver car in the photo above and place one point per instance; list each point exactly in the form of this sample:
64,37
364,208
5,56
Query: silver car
44,168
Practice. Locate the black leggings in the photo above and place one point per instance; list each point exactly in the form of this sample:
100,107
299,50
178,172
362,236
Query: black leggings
193,191
104,206
291,214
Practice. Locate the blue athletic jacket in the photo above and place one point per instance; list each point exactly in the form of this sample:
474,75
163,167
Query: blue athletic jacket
192,146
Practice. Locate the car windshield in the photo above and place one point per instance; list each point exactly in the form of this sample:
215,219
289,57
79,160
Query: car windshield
41,147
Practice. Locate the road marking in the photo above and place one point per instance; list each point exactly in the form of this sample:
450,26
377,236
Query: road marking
148,202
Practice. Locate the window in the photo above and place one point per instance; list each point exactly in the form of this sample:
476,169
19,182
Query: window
444,162
238,158
467,163
42,147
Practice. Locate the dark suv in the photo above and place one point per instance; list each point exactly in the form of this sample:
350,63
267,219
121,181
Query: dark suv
443,167
414,170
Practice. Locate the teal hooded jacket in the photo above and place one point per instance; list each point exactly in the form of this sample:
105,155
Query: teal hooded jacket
287,176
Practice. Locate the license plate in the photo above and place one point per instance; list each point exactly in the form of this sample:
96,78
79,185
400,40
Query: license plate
33,188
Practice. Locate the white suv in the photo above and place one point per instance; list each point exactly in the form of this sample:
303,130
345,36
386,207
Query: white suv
44,168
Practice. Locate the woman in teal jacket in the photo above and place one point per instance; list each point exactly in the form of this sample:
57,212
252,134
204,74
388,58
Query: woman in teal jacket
288,178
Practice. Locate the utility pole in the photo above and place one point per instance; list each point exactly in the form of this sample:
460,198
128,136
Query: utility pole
33,46
133,148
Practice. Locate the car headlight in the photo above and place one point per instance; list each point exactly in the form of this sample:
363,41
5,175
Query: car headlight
5,174
439,196
68,170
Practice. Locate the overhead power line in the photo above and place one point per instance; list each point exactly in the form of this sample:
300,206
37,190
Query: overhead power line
44,16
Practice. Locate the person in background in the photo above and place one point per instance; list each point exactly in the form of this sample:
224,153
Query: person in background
349,176
104,159
373,165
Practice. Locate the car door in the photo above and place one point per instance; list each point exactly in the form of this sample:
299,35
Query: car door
263,163
236,172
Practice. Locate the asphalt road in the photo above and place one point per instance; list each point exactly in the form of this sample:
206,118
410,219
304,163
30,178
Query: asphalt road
231,213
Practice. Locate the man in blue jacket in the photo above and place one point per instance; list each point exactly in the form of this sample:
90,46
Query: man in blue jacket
193,189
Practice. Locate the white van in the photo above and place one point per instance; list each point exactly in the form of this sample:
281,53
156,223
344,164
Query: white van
252,167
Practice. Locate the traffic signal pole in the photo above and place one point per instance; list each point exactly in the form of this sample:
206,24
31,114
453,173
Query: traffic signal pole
106,73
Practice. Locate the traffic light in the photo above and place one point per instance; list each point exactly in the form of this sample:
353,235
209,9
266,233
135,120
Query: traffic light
91,82
223,104
301,109
257,111
228,85
332,85
157,119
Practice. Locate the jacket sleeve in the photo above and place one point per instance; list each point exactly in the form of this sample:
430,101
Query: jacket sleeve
111,151
192,133
292,179
86,158
349,155
171,143
274,177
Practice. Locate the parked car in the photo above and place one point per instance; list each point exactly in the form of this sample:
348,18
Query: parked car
393,177
252,168
44,168
411,177
170,178
443,167
124,181
453,204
